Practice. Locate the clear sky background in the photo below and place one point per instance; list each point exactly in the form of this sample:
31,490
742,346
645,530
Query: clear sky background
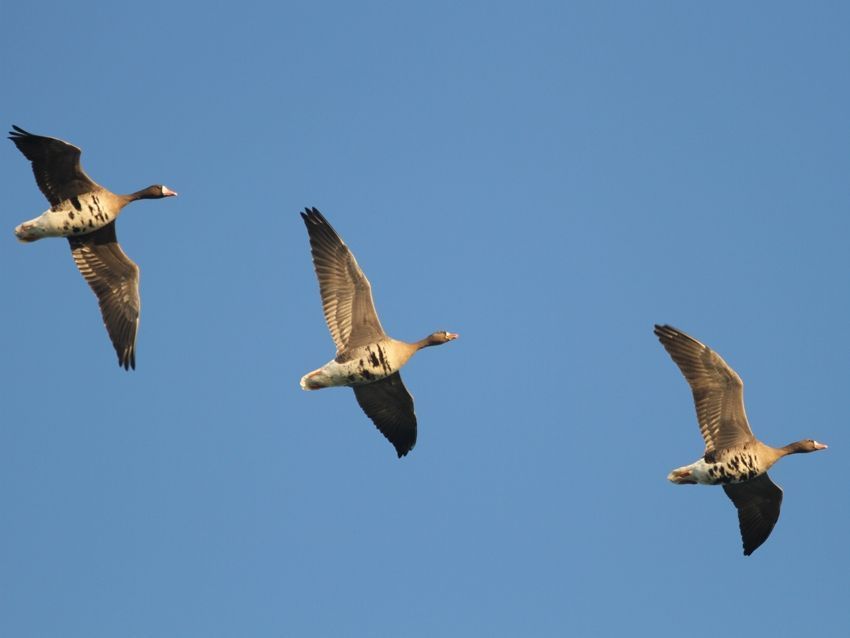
546,179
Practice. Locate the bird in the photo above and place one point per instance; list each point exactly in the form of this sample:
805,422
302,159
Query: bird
85,212
367,360
734,457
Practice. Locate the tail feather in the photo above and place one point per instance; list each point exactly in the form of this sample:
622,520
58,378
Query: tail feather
312,380
26,233
681,476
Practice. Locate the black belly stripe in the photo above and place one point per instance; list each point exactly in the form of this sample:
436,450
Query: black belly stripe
103,216
383,358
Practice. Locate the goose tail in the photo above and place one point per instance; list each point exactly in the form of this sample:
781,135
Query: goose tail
27,232
314,380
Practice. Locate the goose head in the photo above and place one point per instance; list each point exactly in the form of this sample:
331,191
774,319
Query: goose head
157,191
437,338
804,446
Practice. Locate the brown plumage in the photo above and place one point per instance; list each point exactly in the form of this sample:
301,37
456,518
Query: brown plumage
733,456
114,278
85,213
367,359
346,292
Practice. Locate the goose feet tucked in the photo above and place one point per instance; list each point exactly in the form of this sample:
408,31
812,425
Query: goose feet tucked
314,380
27,232
682,476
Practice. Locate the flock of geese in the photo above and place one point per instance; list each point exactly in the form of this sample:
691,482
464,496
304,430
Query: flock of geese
367,359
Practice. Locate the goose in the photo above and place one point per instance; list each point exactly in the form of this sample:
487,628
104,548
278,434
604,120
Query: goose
733,457
85,213
367,360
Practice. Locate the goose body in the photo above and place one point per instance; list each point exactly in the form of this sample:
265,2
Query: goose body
367,360
78,215
727,466
85,212
364,364
733,457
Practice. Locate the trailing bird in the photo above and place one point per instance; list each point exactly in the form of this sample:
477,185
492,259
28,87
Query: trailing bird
85,213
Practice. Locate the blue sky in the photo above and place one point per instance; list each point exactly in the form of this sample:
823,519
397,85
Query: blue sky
546,179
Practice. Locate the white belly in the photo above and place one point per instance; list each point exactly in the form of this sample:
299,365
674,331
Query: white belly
75,216
363,365
731,467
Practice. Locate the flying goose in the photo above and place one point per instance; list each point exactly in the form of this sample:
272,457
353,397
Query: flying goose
367,359
733,457
85,213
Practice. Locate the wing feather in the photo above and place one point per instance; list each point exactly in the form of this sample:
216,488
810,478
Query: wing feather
114,278
390,406
55,164
758,502
346,293
718,391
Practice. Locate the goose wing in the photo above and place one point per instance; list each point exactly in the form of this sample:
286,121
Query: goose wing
346,293
55,164
390,406
114,278
758,502
718,390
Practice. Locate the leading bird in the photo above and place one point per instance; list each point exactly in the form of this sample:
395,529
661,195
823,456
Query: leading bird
733,457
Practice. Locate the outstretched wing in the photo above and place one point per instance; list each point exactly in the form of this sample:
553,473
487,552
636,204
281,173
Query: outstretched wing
390,406
758,502
718,390
346,293
114,278
55,164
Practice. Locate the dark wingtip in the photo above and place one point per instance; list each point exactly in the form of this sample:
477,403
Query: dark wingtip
127,361
751,545
313,215
314,219
402,445
665,331
17,132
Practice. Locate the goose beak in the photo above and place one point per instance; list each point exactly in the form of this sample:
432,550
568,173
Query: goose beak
451,336
820,446
167,192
